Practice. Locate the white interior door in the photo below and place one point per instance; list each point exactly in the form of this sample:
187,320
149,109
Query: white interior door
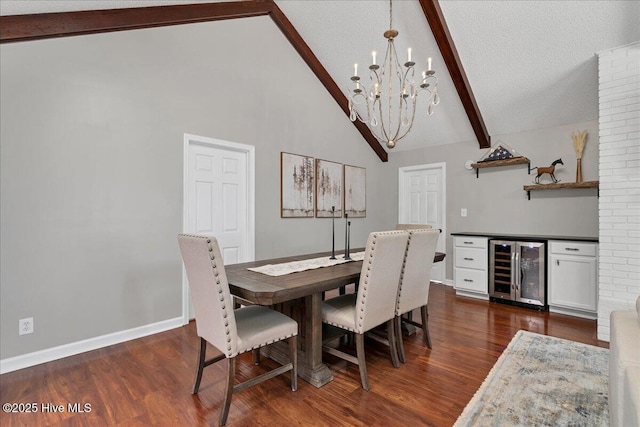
422,200
219,198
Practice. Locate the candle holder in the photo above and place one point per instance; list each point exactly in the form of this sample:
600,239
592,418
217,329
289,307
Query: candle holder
333,233
346,236
348,239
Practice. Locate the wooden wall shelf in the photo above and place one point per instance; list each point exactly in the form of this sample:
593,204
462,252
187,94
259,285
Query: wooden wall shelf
559,185
506,162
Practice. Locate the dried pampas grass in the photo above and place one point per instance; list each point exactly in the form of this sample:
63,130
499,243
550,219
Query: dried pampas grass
579,141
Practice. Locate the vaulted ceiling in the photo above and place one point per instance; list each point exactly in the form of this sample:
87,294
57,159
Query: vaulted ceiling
530,64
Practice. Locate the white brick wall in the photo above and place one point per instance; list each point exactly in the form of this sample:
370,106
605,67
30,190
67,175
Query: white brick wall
619,260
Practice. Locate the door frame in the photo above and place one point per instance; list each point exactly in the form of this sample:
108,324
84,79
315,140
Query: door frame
442,166
250,151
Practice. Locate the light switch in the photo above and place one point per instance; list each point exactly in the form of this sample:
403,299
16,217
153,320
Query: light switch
463,212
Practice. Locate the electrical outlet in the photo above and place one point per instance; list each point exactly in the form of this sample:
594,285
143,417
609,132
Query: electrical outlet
463,212
25,326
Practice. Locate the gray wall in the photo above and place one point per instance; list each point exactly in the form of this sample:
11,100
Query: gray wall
91,169
91,166
495,201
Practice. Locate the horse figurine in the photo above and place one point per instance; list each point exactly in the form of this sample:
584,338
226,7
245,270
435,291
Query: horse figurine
549,169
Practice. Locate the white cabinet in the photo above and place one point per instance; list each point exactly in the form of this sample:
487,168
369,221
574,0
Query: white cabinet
470,266
573,278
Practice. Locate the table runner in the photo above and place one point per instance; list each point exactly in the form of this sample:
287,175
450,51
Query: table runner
305,264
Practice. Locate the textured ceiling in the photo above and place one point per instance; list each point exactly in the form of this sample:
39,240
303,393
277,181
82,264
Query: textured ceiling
531,64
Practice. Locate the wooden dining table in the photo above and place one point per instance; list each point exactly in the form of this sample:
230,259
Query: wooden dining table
298,295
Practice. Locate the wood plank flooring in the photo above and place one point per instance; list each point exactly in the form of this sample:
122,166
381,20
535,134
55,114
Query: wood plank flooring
148,381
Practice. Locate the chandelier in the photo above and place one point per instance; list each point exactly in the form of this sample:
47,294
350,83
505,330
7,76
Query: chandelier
388,105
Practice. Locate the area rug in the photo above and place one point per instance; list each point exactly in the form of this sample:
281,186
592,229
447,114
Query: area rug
543,381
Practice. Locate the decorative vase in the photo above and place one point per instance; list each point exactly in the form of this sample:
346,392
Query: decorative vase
579,171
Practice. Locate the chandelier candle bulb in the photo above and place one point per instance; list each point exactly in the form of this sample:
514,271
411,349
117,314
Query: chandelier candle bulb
355,69
429,64
409,55
373,54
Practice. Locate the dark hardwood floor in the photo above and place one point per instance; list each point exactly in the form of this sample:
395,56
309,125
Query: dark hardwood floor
148,381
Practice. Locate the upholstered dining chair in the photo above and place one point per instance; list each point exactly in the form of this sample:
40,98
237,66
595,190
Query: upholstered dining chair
374,303
231,331
412,226
415,280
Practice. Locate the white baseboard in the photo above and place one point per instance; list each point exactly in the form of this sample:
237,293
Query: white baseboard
463,293
446,282
37,357
574,312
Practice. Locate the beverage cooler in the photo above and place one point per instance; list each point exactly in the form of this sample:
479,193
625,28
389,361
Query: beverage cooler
517,272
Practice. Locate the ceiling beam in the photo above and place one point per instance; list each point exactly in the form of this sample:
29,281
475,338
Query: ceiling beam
19,28
433,13
321,73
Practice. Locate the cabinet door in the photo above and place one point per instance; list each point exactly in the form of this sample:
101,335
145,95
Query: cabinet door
471,258
572,282
471,280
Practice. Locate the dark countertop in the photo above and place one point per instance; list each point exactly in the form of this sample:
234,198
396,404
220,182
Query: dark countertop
526,237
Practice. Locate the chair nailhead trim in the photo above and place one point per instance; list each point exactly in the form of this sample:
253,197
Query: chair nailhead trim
216,274
404,263
366,280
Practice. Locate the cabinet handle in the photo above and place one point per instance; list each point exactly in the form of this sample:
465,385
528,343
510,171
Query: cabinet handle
468,280
557,262
572,249
468,243
468,259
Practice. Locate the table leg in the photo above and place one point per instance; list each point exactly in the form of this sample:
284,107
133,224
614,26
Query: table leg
318,373
310,366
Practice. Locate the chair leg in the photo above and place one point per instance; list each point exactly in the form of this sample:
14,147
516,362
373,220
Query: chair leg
200,367
399,341
391,337
293,355
256,356
228,390
362,364
425,325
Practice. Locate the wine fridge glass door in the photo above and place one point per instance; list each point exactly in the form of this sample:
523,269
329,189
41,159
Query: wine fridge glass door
530,278
502,267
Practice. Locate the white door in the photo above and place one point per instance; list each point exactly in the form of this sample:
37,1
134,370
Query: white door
422,201
219,198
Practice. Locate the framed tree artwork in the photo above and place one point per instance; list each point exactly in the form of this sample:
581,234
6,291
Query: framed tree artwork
328,188
297,176
355,191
